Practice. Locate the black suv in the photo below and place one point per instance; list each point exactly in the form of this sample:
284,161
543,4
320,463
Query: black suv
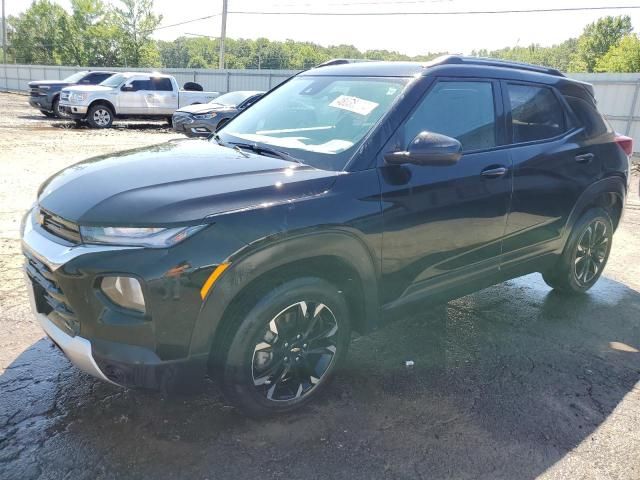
347,192
45,94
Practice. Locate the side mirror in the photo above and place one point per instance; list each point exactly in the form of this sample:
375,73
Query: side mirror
428,148
127,88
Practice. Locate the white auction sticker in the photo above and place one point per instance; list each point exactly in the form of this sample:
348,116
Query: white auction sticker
354,104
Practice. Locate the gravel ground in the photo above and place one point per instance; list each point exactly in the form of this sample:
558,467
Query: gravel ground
511,382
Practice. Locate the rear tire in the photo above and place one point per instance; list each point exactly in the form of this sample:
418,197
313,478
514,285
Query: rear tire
585,255
286,348
100,116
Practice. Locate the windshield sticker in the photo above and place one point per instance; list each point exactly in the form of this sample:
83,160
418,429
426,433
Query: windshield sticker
354,104
392,91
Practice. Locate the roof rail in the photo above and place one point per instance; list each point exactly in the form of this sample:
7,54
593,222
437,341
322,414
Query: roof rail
341,61
492,62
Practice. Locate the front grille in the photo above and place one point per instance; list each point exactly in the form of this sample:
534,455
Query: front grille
59,227
49,298
36,92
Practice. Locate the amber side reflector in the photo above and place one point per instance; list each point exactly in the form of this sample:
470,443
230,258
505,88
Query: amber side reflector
219,270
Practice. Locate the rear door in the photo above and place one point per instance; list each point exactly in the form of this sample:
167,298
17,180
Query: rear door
162,97
552,166
444,224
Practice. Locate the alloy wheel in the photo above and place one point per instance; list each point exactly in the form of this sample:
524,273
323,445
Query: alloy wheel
295,351
591,252
101,117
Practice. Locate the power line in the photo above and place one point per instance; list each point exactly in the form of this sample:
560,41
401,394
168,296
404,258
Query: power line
436,12
187,21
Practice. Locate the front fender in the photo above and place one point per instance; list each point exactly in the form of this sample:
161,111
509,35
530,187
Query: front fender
256,260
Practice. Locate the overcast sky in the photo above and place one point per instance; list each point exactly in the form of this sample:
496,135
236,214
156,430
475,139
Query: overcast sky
411,34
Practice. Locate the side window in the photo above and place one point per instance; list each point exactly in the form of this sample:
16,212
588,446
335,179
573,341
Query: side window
536,113
462,110
99,78
87,80
140,85
161,85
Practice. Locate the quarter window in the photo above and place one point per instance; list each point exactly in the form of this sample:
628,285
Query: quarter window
536,113
462,110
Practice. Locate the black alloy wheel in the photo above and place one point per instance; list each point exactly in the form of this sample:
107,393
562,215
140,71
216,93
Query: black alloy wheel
296,350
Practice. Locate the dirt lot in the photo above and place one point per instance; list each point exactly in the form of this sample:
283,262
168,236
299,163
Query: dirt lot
512,382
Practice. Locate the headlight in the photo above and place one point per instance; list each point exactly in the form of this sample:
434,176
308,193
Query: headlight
140,237
124,291
205,116
78,97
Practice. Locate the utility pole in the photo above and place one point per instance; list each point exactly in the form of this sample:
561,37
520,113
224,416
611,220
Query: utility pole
4,36
223,33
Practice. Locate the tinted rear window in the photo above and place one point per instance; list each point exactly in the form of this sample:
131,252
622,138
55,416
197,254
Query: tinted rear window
161,84
536,113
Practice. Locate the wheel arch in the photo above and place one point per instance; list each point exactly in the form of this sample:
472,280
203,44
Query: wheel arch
608,193
102,101
338,257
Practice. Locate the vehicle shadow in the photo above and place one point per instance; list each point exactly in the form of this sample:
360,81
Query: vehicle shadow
505,383
120,125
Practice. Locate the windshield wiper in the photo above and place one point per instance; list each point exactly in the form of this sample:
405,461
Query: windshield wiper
260,149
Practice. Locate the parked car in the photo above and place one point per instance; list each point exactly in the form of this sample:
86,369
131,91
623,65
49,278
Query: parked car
129,95
202,120
45,94
345,193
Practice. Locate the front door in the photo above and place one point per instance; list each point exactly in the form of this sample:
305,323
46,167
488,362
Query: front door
443,224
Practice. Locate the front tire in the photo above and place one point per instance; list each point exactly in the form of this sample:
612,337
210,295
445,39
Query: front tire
585,254
100,116
286,348
55,106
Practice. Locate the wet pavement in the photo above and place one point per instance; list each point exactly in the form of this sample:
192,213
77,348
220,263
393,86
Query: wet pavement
508,383
512,382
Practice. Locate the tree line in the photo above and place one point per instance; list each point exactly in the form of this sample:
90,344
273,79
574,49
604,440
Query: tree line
95,33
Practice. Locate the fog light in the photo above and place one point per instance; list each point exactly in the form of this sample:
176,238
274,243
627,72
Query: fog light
124,291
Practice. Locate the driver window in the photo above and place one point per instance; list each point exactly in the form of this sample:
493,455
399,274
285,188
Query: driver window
462,110
139,84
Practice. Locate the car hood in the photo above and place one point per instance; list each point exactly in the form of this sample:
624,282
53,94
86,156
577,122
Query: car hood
50,83
176,183
206,107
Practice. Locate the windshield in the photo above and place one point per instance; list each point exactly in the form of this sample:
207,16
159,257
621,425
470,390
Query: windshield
75,78
319,120
232,98
114,81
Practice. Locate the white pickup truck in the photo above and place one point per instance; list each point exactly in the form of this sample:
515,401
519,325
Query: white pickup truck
127,95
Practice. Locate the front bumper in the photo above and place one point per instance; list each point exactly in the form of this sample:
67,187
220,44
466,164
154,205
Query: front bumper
75,111
97,337
41,103
191,127
77,349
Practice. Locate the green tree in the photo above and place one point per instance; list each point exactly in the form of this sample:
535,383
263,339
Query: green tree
596,40
624,57
89,35
36,33
136,22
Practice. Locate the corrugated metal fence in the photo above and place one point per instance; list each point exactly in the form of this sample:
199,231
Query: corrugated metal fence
16,77
618,94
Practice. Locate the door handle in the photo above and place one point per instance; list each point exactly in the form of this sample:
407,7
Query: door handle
494,172
585,158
